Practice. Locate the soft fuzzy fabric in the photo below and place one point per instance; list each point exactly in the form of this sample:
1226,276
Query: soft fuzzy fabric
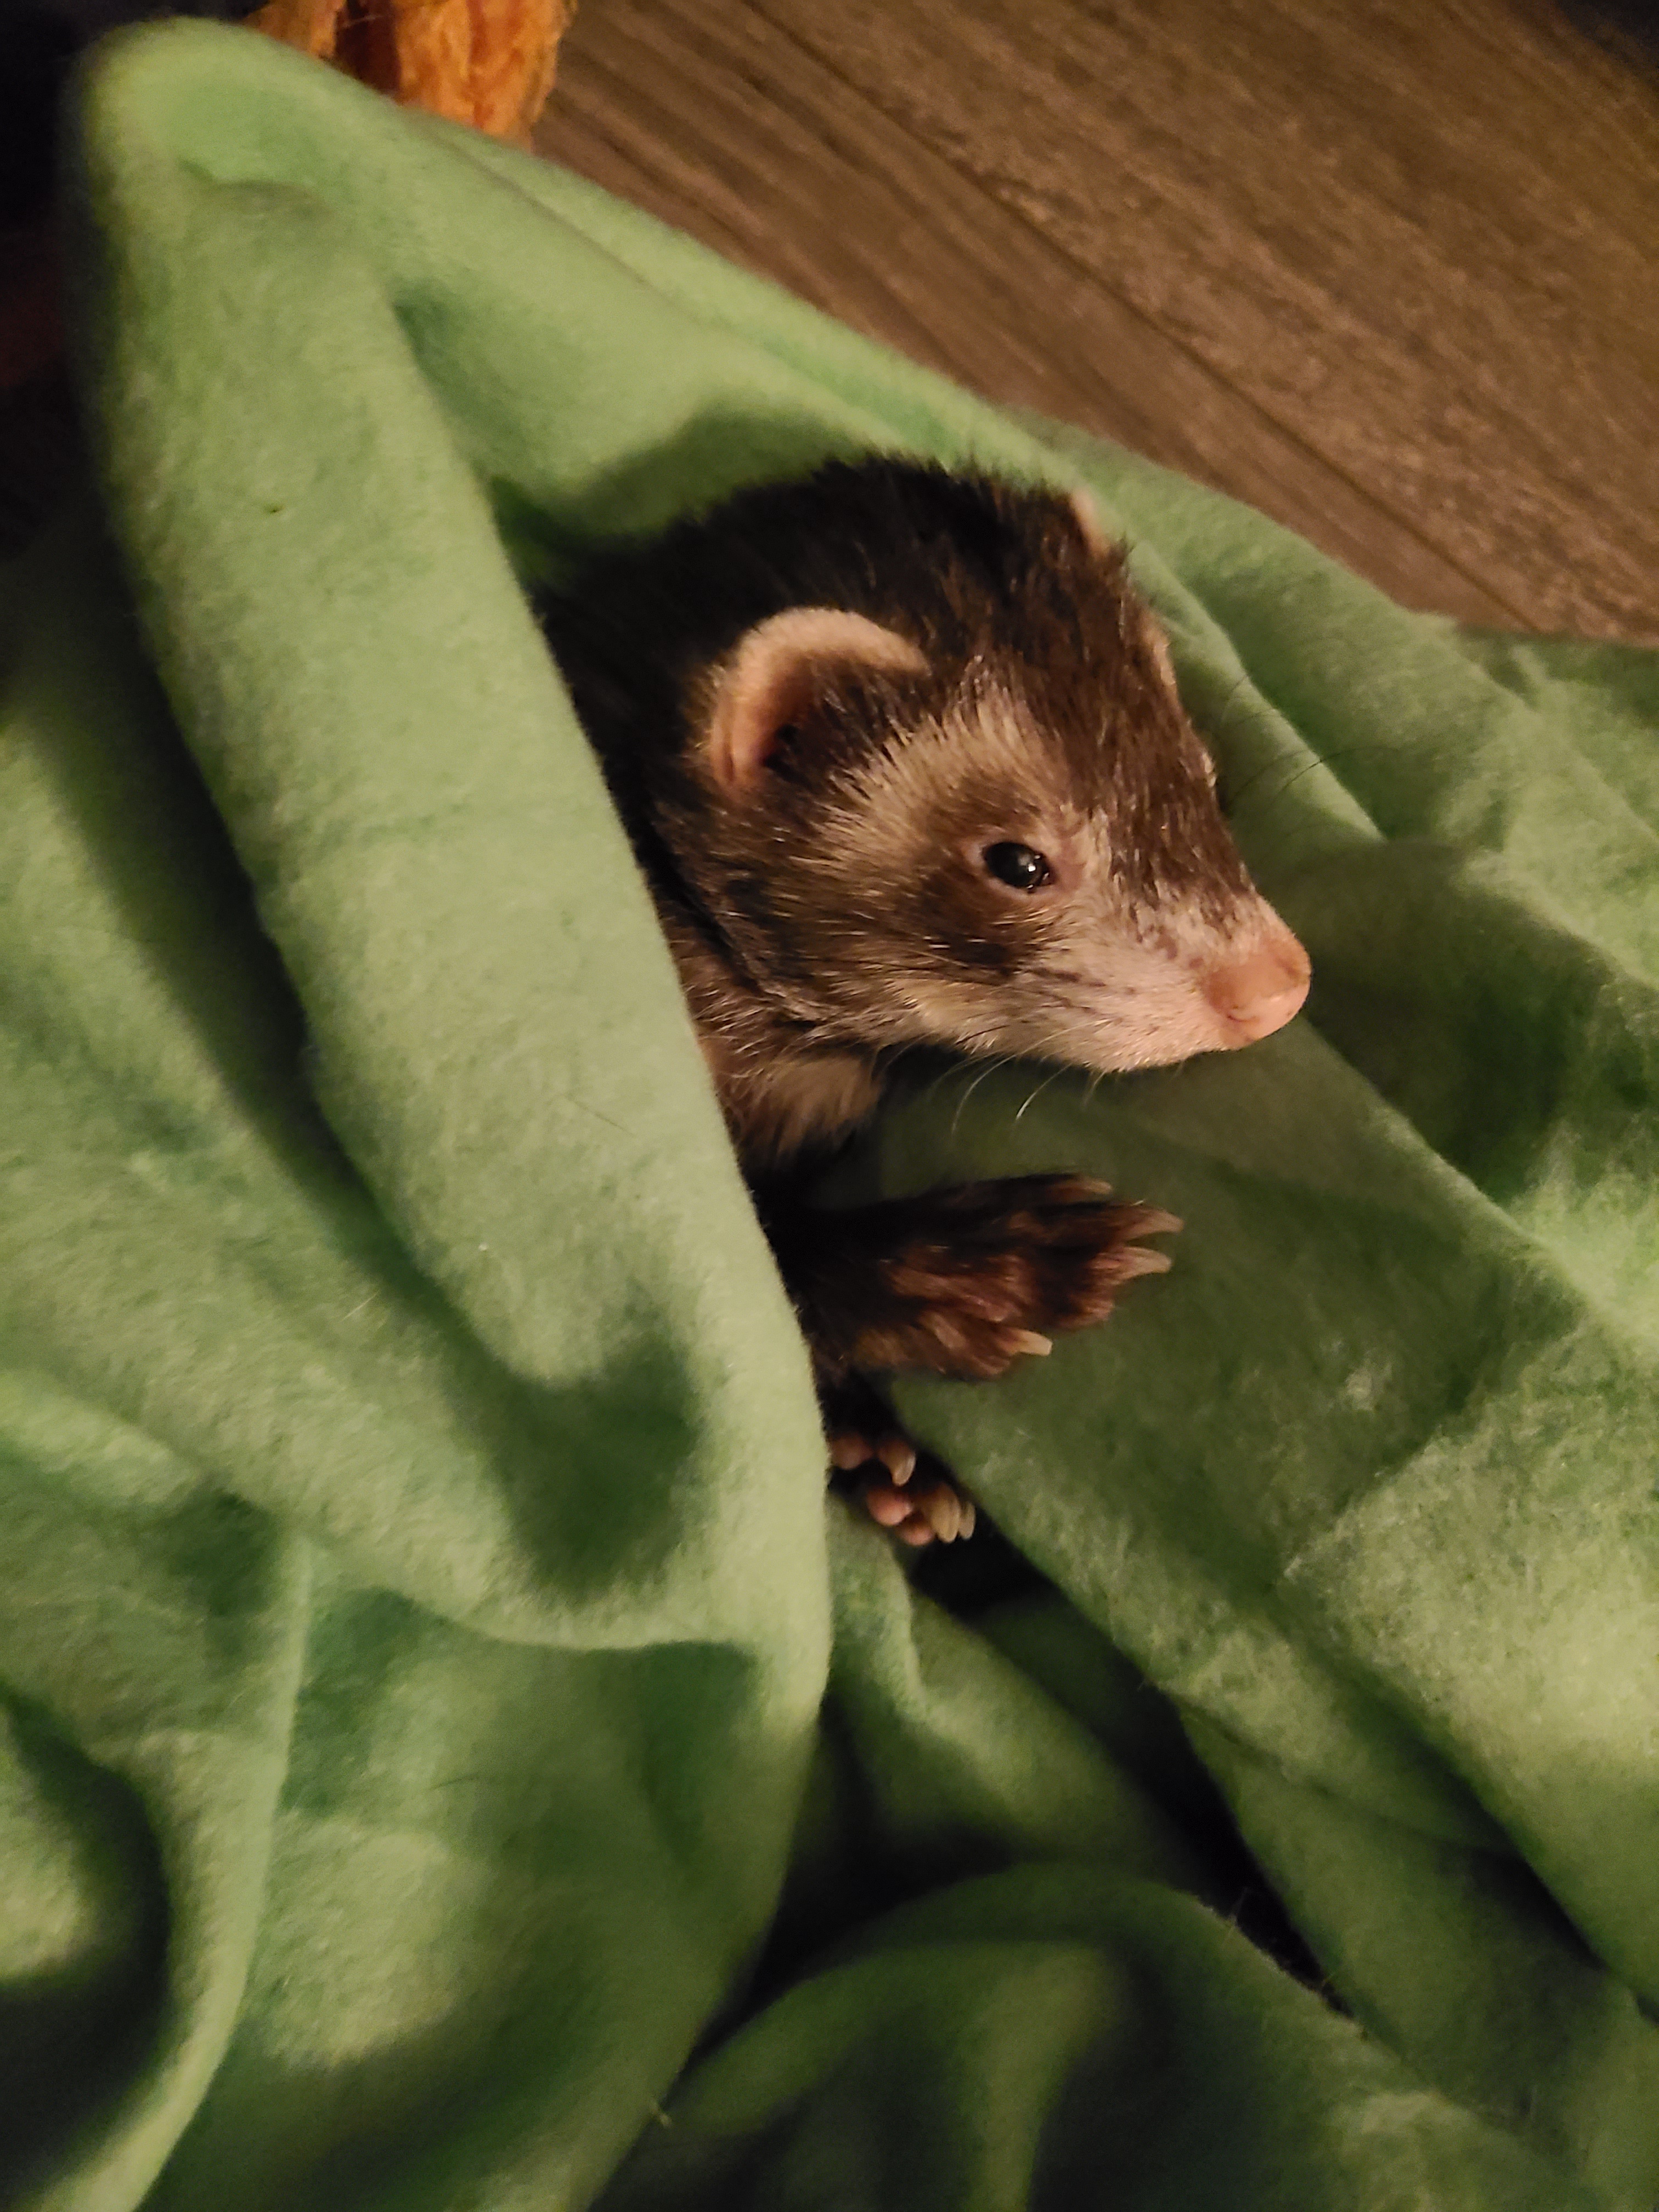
420,1788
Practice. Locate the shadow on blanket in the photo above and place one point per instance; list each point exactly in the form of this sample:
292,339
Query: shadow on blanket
435,1666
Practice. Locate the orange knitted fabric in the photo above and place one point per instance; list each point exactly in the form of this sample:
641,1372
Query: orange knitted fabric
489,62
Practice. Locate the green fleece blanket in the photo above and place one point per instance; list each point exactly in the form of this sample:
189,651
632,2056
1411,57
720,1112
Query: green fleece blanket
455,1755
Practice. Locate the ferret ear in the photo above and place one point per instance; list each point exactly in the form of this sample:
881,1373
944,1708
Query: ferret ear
1094,530
1160,645
778,673
1089,522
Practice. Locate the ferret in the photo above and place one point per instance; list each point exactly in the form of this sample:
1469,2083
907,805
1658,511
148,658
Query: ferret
901,755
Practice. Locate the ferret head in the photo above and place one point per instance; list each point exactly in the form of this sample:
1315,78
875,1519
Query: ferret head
937,786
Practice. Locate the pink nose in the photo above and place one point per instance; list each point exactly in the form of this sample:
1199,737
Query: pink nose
1258,994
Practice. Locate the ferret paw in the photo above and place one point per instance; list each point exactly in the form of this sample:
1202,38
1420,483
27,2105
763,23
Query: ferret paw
929,1506
992,1271
902,1488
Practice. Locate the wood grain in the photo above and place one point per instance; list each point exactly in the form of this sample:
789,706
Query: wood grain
1386,271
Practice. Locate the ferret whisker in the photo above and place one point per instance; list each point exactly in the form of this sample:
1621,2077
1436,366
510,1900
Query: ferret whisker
1296,769
1058,1045
1053,1075
1215,731
1051,1040
1216,734
991,1066
1322,760
947,1073
1233,795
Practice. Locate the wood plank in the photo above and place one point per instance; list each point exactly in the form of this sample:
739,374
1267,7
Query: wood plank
1421,240
730,129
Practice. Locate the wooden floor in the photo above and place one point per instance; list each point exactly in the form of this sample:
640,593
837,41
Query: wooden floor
1387,270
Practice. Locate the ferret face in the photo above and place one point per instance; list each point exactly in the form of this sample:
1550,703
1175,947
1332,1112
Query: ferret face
908,743
1023,907
1019,853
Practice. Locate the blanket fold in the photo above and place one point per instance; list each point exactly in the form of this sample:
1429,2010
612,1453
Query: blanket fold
455,1753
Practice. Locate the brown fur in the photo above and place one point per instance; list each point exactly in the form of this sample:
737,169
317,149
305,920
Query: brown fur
857,687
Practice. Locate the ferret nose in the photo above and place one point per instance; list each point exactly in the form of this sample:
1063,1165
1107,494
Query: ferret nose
1258,994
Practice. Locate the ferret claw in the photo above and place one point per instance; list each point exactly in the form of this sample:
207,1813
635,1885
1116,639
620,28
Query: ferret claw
979,1275
1155,1222
895,1452
902,1488
898,1485
941,1512
898,1455
934,1511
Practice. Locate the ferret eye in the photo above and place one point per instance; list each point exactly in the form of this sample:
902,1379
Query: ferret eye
1018,867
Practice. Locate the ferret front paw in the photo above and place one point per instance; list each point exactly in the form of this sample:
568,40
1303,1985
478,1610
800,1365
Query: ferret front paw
901,1486
988,1273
